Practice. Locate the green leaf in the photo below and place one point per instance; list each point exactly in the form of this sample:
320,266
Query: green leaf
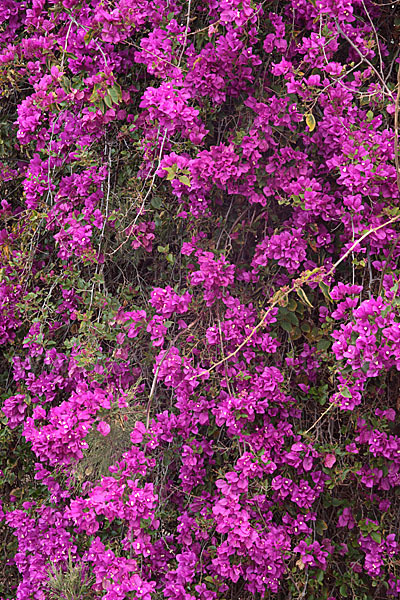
337,502
296,333
108,100
115,93
171,172
88,37
185,180
291,317
156,202
320,527
323,344
320,576
70,55
303,297
325,290
345,392
286,326
376,536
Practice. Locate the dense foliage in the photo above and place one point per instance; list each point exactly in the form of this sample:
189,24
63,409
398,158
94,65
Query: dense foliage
199,311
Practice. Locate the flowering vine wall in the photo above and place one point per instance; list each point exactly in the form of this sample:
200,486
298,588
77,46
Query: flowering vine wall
199,308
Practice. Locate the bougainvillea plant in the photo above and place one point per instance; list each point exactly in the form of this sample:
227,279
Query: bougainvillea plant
199,299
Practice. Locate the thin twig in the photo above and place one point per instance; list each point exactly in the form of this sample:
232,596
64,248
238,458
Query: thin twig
204,28
65,46
376,37
99,48
186,33
365,59
319,418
